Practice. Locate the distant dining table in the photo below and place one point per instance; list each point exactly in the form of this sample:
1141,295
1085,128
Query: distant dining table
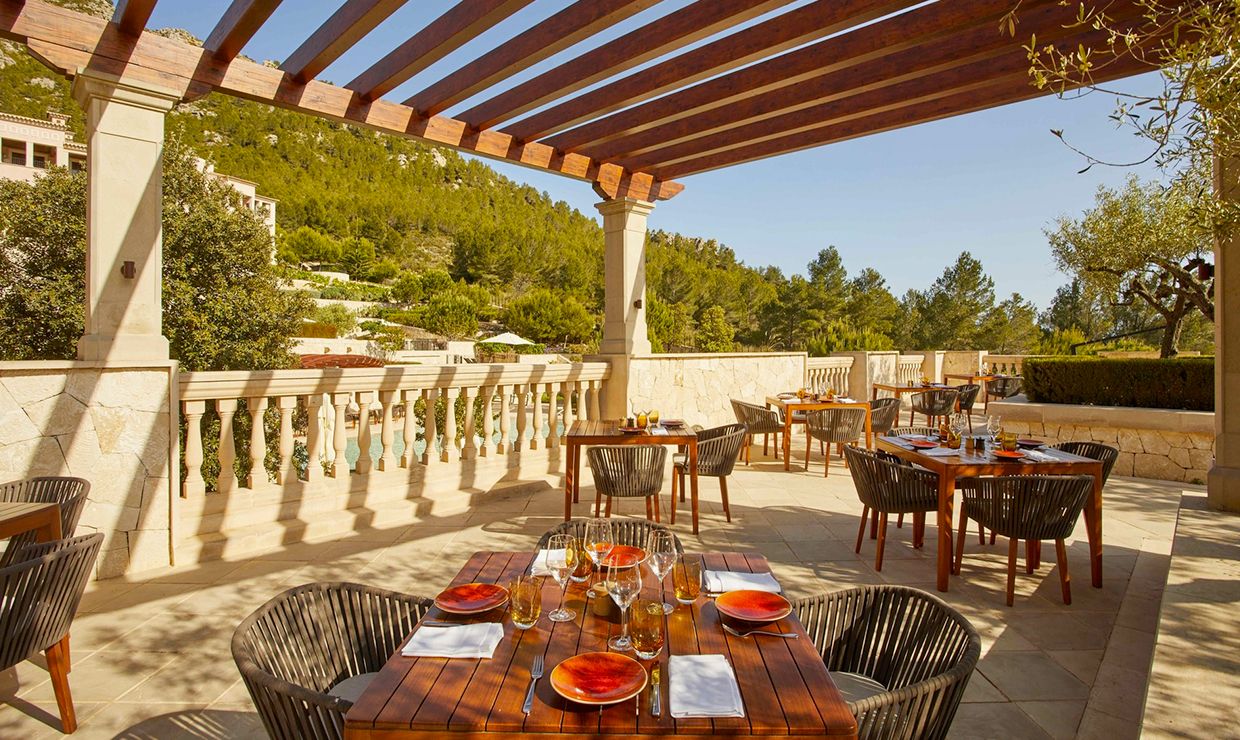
21,516
789,406
608,432
950,468
784,685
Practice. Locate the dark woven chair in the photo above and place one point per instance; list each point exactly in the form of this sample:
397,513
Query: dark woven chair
901,657
1105,454
966,400
1025,507
1002,387
758,420
884,414
69,493
628,471
923,431
834,426
886,487
308,654
933,404
718,449
39,595
631,532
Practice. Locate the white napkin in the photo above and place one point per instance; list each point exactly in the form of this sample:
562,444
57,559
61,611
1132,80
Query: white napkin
462,641
844,399
658,431
940,452
703,686
539,567
721,581
1039,456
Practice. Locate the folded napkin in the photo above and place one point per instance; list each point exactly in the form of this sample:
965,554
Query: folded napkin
722,581
940,452
703,686
844,399
658,431
1040,456
462,641
539,567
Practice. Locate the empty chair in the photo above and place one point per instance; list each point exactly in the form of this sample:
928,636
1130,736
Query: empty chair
833,426
718,449
933,404
889,487
901,657
1002,387
307,654
758,420
628,471
1025,507
1105,454
884,414
39,595
631,532
69,493
923,431
967,398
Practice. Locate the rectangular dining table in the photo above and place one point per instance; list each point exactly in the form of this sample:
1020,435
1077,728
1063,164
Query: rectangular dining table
21,516
784,683
790,406
607,432
954,467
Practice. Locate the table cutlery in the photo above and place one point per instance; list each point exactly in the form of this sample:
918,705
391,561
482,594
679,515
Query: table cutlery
738,633
536,672
656,701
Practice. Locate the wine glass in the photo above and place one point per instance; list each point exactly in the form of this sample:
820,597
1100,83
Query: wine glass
561,556
623,584
993,426
660,557
599,541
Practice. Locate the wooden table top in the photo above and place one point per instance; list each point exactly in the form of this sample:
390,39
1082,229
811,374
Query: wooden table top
919,388
799,403
987,464
607,431
969,376
784,683
21,516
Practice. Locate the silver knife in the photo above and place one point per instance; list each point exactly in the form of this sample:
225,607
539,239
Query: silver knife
656,700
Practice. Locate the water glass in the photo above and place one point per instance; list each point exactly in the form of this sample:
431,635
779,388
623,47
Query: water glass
992,428
561,557
646,628
525,597
599,541
582,567
623,584
1009,441
660,557
653,418
687,579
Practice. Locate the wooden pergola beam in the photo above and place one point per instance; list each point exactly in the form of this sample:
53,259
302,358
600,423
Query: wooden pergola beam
785,31
237,26
348,25
863,45
441,37
575,23
133,15
678,29
67,42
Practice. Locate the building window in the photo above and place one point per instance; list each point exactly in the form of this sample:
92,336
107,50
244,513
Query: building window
13,152
77,163
44,156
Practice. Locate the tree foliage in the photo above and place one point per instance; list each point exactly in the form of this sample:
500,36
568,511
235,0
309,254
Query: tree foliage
714,333
542,316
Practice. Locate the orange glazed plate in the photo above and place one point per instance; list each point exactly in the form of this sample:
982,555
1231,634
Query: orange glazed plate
598,678
630,430
673,423
1006,455
753,606
624,556
923,444
471,598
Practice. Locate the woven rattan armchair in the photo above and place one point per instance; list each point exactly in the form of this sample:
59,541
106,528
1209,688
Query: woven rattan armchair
923,431
718,449
628,471
69,493
901,657
967,398
1025,507
884,414
886,487
307,654
933,404
833,426
1002,387
39,595
758,420
1105,454
631,532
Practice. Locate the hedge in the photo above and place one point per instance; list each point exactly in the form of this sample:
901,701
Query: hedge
1177,383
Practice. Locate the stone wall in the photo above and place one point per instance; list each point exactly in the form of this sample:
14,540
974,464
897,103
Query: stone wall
1163,444
699,387
109,426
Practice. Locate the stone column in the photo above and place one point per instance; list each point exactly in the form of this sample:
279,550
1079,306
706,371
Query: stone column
624,327
124,257
1224,478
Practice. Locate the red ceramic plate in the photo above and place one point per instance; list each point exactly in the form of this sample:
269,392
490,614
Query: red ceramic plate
1005,455
632,430
753,606
1030,442
471,598
673,422
923,444
598,678
624,556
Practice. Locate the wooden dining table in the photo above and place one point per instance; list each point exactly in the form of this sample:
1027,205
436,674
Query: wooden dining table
790,406
951,468
21,516
607,432
784,683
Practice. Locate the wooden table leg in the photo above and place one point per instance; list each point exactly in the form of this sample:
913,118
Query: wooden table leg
869,431
1093,526
693,481
569,481
787,442
50,531
947,491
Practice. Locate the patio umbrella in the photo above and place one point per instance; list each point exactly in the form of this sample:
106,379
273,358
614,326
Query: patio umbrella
507,338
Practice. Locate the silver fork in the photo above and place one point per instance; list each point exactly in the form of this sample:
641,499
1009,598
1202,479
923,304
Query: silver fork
731,631
536,672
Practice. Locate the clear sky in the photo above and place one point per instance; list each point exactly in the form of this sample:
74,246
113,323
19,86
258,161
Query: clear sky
905,202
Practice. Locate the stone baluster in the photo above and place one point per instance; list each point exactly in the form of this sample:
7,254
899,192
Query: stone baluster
227,480
285,473
258,442
449,451
430,397
314,436
469,436
504,393
522,421
410,430
340,435
488,420
387,432
364,462
536,438
553,422
595,388
194,483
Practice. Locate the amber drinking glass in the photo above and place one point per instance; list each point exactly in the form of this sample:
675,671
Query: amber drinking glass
646,628
687,579
525,595
582,565
1008,440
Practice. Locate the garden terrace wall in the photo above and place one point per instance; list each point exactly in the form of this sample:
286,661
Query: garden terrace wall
1164,444
699,387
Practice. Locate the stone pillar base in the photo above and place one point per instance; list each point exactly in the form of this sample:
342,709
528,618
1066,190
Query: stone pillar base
130,347
1223,488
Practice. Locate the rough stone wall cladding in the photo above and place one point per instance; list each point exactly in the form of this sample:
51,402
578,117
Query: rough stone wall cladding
699,390
1143,453
110,427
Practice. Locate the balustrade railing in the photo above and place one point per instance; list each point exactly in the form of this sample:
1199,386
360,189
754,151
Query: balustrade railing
829,372
1005,364
908,369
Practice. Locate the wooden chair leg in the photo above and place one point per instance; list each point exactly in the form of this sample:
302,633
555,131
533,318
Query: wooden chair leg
865,515
964,528
598,503
992,537
882,541
900,521
826,461
58,667
809,441
675,487
1013,552
655,499
723,491
874,526
919,529
766,440
1029,566
981,534
1065,581
607,511
682,486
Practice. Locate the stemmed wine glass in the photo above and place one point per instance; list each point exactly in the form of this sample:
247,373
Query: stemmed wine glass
561,555
623,584
993,428
599,541
661,556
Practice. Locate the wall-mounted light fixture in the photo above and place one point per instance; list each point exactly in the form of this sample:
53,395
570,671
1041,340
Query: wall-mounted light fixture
128,270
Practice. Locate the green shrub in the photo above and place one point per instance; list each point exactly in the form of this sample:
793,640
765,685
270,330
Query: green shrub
1175,383
494,348
317,330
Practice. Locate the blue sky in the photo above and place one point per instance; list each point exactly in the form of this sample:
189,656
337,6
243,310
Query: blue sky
905,202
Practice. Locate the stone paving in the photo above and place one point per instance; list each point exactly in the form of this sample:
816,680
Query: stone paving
152,660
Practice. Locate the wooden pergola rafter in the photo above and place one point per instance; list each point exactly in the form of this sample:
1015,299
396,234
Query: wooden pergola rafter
707,85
